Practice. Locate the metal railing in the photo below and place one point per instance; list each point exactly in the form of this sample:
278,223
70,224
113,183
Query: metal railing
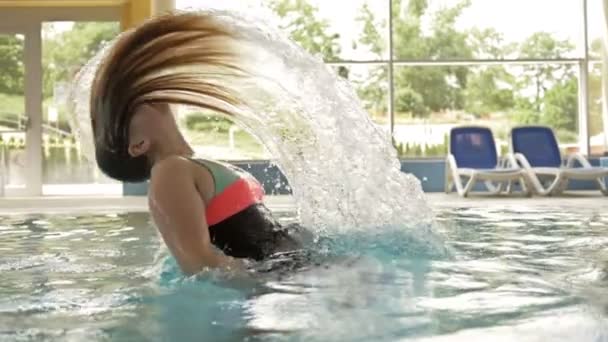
21,124
4,163
4,148
3,169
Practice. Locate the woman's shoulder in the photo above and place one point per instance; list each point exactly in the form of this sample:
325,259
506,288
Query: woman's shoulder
167,171
216,166
171,165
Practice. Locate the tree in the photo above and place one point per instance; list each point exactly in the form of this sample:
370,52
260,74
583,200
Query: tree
554,87
543,76
410,101
560,105
482,90
441,87
11,64
446,41
66,52
301,20
543,93
489,90
373,91
524,112
595,90
370,36
487,43
420,90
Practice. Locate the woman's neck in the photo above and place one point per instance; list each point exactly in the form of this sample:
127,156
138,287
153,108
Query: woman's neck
176,146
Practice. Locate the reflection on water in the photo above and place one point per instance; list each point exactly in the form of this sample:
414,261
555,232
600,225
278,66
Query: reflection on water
60,165
518,275
15,165
67,166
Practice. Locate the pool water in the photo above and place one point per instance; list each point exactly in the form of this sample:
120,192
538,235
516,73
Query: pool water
512,275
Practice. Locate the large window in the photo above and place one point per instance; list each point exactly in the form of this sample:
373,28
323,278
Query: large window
66,47
214,136
422,67
41,50
12,112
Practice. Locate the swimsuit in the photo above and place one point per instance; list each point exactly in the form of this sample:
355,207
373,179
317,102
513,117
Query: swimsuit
239,222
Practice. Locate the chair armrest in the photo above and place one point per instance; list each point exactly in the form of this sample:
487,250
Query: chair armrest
521,160
450,161
577,157
509,161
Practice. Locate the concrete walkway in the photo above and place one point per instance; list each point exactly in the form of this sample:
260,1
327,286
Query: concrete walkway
79,204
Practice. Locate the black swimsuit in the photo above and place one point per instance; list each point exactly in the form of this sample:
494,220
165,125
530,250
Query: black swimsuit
251,233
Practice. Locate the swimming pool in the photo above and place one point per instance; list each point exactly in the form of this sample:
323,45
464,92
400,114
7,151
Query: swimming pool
525,274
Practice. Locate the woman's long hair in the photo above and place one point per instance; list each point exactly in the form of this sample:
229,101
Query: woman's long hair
177,58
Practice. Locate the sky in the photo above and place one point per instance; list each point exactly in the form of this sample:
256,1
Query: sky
515,19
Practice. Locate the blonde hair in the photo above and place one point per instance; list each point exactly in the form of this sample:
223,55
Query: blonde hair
179,58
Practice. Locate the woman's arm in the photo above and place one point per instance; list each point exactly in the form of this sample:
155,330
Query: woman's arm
179,213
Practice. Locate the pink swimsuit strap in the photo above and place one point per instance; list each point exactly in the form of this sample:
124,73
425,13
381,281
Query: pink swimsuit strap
235,198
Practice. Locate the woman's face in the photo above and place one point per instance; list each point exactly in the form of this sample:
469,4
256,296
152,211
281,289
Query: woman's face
148,124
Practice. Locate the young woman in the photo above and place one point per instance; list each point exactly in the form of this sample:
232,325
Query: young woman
209,214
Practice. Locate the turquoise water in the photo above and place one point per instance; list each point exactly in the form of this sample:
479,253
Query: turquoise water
512,275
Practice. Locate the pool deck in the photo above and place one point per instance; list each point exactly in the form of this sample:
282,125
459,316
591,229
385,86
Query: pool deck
81,204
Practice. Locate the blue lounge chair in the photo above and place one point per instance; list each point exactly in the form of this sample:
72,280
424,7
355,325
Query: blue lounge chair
472,154
535,148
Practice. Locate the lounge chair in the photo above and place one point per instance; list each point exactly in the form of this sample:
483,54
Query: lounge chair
535,148
472,154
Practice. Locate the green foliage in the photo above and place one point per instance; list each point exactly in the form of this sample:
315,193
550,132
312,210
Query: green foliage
370,36
416,150
373,91
408,100
11,105
66,52
529,94
443,41
484,94
525,116
544,45
560,105
543,76
204,122
532,94
343,72
595,51
419,90
554,87
437,150
300,20
595,103
488,43
11,64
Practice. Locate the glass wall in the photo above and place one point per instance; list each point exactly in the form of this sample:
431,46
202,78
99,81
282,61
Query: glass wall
422,67
214,136
66,47
597,137
13,121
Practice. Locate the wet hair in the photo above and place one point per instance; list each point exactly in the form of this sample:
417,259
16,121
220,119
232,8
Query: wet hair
178,58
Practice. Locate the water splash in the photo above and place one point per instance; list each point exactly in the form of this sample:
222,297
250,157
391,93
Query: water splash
342,168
